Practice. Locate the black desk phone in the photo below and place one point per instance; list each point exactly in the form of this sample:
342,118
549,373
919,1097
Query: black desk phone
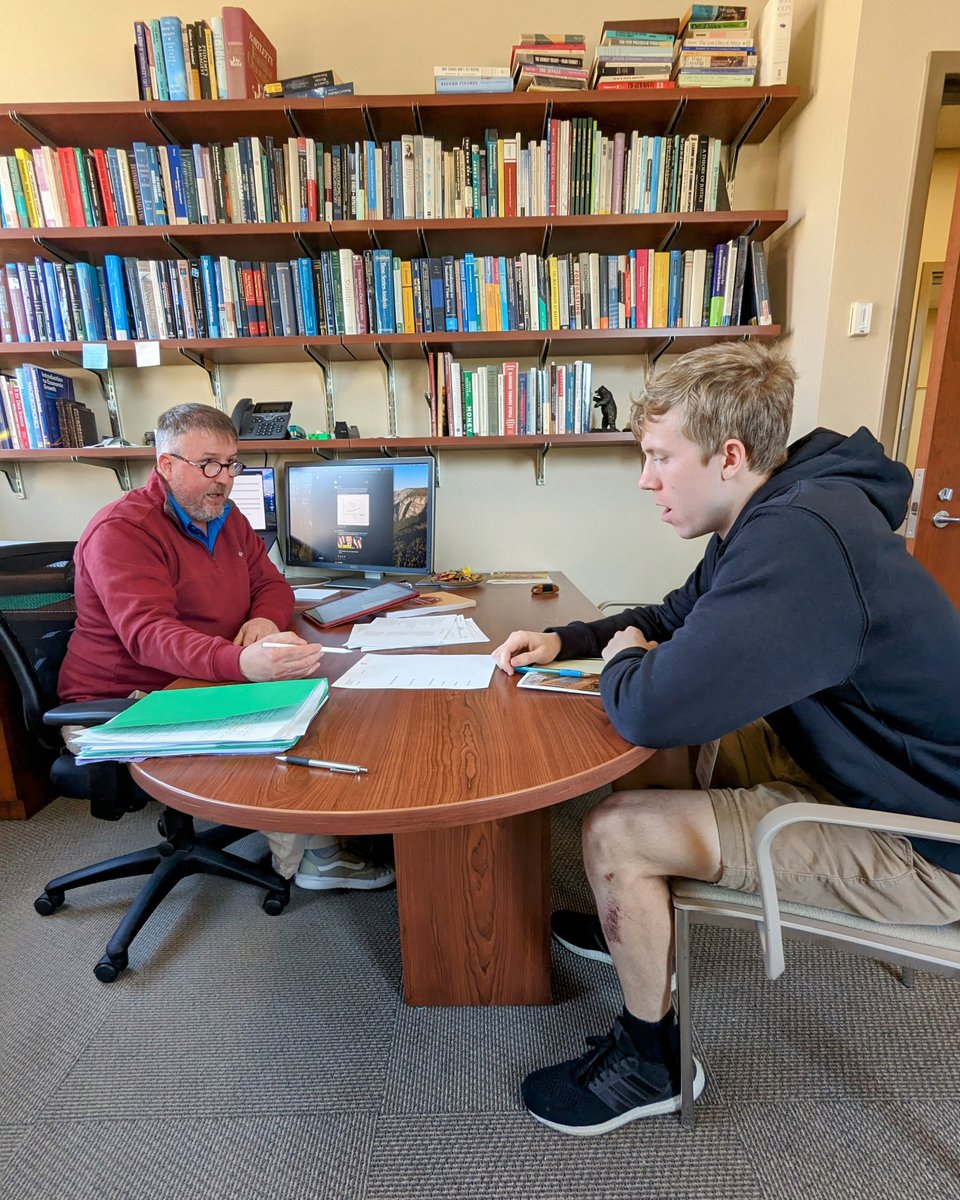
265,421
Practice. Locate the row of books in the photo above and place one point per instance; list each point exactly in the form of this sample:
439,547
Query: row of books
634,54
549,62
38,410
576,169
716,48
507,400
223,58
341,293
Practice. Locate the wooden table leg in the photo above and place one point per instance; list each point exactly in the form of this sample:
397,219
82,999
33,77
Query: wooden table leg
474,912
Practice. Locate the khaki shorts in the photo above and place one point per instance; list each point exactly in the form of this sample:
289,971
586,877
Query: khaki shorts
878,876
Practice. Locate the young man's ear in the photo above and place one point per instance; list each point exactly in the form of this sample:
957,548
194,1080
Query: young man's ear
734,458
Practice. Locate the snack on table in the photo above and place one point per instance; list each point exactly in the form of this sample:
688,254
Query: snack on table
463,576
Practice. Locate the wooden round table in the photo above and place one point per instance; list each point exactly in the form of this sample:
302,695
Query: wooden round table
463,779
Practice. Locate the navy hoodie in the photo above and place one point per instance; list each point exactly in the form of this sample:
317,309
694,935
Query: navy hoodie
810,613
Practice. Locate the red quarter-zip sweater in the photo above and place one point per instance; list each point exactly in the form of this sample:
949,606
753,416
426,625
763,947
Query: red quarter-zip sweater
153,604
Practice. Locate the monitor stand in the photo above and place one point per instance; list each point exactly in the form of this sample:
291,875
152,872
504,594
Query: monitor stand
370,579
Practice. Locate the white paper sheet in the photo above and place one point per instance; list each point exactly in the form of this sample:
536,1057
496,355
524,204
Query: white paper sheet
392,633
313,593
413,672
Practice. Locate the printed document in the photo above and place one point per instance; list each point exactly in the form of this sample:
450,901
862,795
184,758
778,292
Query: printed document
417,672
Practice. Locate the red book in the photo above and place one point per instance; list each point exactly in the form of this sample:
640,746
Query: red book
260,301
251,57
625,83
71,185
103,178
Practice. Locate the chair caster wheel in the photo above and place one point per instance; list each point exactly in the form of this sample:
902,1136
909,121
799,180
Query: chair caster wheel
275,903
108,968
47,903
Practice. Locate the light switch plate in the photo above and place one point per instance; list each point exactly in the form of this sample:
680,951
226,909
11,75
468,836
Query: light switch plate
860,318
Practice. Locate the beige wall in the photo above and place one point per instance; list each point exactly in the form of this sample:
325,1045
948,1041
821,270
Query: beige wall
846,198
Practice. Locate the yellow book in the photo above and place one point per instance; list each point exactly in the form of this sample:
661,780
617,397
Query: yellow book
211,61
661,288
406,284
554,293
31,194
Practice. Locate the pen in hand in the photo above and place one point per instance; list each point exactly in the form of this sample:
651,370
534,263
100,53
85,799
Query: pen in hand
326,649
295,761
552,671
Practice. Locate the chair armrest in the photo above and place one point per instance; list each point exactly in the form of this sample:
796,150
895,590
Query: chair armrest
85,712
824,814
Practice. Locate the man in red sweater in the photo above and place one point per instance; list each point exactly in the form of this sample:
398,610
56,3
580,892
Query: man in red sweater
172,581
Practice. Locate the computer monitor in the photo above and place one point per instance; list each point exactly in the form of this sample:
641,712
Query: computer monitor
255,495
371,517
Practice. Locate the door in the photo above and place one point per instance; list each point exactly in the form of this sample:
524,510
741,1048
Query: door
933,528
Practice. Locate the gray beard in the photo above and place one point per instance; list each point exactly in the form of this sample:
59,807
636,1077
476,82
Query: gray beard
204,512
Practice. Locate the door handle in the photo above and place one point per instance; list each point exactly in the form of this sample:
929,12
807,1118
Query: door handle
942,519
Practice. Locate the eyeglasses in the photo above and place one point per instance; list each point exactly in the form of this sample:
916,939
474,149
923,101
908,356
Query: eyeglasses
211,468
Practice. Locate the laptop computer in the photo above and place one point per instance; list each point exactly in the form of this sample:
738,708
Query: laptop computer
255,496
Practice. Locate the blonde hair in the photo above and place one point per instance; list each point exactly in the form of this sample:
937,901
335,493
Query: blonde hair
742,390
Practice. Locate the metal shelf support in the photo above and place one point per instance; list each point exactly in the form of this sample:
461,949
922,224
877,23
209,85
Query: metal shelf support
212,369
542,452
108,389
324,365
119,466
736,142
14,478
391,391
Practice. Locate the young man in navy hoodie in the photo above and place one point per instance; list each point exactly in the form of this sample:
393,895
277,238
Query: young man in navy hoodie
808,657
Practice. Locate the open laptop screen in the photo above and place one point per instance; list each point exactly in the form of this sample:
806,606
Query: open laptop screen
255,495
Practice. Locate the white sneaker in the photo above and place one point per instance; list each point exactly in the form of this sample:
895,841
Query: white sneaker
333,867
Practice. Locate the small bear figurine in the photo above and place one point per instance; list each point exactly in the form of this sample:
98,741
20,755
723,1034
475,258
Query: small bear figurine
603,399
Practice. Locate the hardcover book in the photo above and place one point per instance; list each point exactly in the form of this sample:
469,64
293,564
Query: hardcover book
250,55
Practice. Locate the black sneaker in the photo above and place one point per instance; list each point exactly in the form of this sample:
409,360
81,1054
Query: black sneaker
580,933
606,1088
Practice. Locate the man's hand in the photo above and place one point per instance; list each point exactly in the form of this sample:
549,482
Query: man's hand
524,649
287,657
625,638
254,630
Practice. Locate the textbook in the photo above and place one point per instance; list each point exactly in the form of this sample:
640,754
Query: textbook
239,718
434,603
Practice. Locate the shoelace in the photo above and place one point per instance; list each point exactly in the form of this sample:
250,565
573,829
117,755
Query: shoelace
601,1048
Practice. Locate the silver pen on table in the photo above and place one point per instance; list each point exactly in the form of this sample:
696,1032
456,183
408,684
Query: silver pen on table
326,649
347,768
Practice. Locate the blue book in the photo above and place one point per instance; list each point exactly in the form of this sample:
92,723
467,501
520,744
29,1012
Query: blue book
49,387
448,277
632,311
175,160
90,302
326,279
308,301
504,302
613,293
116,185
161,215
675,292
156,37
117,292
490,140
655,175
210,295
53,299
171,38
31,411
470,275
37,273
435,293
141,164
370,151
383,291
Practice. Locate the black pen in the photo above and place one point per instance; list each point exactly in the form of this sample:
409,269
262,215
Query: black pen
346,768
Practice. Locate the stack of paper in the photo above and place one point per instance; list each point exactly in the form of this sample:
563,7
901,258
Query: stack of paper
241,718
417,672
395,633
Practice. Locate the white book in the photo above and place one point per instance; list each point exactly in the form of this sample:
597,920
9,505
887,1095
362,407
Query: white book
219,56
256,154
346,288
8,205
291,158
595,290
228,326
409,189
429,178
728,282
698,281
473,72
773,42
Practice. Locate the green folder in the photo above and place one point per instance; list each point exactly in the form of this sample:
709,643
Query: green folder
185,706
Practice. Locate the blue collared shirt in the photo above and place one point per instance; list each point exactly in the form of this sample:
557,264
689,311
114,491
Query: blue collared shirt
208,539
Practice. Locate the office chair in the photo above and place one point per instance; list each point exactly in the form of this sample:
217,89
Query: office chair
933,948
37,615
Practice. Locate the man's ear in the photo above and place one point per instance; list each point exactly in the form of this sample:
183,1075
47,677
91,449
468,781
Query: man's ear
734,458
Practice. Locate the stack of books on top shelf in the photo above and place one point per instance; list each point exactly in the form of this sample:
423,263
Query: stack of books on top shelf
507,401
716,48
471,79
547,62
223,58
315,85
38,411
635,55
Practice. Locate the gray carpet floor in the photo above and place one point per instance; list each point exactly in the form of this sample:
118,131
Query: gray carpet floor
271,1058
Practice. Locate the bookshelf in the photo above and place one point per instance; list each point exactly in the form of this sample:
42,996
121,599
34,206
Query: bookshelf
738,116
